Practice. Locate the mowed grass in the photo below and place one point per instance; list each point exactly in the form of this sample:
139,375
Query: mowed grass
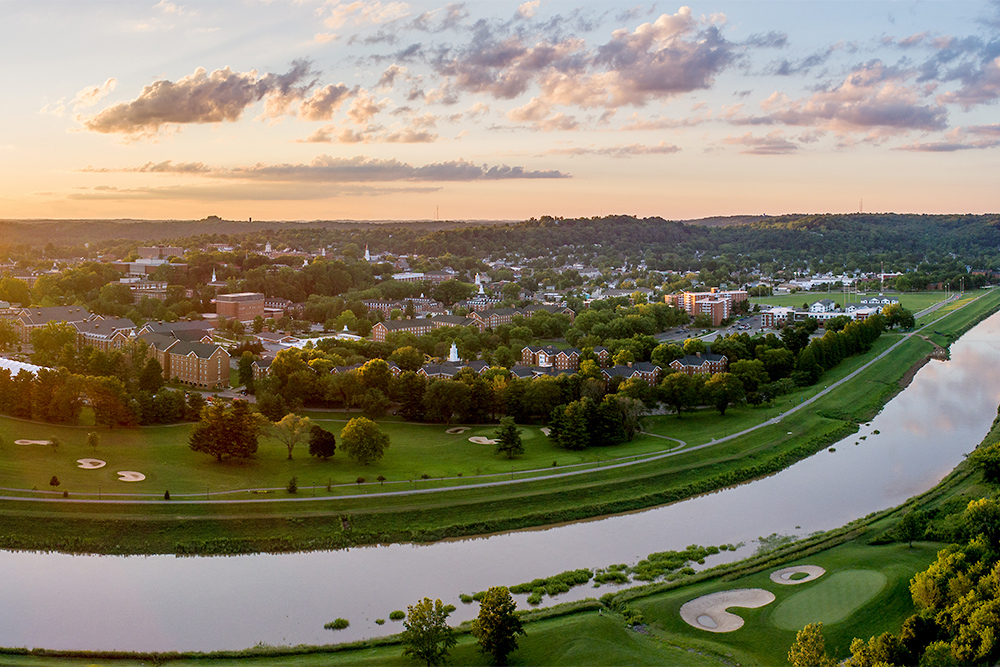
762,638
829,601
912,301
584,638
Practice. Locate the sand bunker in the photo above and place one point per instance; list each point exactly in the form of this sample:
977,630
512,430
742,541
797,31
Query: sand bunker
785,575
91,464
32,442
457,430
130,476
545,430
480,440
709,611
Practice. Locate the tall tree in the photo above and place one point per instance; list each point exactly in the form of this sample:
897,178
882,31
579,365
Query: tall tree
509,438
497,626
291,430
809,649
363,441
426,634
322,443
227,432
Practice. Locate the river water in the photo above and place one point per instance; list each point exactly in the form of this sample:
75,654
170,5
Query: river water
160,603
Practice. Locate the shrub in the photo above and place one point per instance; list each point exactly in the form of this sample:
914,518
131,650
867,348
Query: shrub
380,479
379,621
338,624
166,494
397,615
361,480
54,482
535,598
293,486
425,476
466,598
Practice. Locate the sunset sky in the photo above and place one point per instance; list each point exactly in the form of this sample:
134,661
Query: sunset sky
313,109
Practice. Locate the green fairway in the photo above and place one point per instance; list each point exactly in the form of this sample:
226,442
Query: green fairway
829,600
912,301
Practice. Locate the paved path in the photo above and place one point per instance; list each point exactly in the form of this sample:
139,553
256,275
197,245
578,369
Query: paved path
583,468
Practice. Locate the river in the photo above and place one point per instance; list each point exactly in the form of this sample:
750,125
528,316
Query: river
162,603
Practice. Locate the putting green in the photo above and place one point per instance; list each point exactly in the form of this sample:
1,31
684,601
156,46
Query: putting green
830,601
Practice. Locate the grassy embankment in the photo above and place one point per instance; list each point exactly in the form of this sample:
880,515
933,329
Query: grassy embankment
339,519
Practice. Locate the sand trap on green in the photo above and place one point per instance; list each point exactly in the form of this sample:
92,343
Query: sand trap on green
709,611
32,442
482,440
91,464
787,577
457,430
130,476
830,601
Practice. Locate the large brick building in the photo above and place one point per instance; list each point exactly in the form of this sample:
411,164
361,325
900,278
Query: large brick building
242,306
192,362
717,304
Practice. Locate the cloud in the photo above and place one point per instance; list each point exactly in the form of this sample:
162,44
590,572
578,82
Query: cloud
243,192
528,9
165,167
873,98
364,13
358,169
91,95
221,96
324,101
365,107
980,85
631,150
976,137
418,131
774,143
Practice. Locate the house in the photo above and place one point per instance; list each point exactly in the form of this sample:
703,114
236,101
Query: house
260,368
643,370
29,319
823,306
417,327
698,364
276,338
197,364
777,317
108,334
551,357
603,355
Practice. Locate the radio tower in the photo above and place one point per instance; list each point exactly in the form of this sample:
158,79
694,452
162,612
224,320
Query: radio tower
861,206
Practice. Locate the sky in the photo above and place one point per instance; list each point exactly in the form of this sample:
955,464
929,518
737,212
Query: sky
391,109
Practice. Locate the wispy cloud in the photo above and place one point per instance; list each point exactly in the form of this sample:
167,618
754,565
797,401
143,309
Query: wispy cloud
327,169
631,150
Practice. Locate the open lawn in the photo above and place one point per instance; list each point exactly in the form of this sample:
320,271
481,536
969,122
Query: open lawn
912,301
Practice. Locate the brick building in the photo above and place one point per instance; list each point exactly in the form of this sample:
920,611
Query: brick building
242,306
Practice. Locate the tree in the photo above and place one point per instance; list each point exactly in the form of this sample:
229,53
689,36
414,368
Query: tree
244,370
408,358
426,633
724,389
363,441
223,432
809,649
911,527
291,430
497,626
151,376
93,440
322,443
509,438
678,390
694,346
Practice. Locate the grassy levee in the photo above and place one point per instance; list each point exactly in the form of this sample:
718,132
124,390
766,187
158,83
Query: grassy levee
348,514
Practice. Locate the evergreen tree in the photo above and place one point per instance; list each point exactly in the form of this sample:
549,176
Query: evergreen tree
508,438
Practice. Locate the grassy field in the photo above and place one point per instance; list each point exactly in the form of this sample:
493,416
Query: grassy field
912,301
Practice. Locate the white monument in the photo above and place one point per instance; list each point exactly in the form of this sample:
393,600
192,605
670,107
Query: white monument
453,354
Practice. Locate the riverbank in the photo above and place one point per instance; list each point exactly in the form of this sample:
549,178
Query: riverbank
607,488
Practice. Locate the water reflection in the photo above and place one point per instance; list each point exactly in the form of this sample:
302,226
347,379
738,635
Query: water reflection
166,603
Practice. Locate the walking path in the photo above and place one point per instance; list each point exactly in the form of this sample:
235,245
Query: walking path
586,467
